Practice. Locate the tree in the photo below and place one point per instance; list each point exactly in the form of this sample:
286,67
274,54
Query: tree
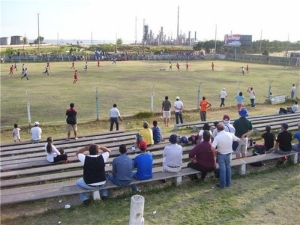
119,41
265,52
36,41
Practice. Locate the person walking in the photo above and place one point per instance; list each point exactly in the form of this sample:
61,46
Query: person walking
114,115
25,74
178,105
166,109
252,96
223,95
243,128
222,144
71,120
204,105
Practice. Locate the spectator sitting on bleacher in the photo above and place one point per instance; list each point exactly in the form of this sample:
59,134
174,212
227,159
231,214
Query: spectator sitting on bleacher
204,158
296,147
269,138
143,162
292,109
172,155
215,130
205,127
36,133
93,170
146,135
157,134
283,144
122,169
54,155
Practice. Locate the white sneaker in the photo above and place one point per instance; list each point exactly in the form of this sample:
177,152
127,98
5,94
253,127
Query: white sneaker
76,138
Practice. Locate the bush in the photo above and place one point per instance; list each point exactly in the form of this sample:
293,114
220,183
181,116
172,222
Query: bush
265,52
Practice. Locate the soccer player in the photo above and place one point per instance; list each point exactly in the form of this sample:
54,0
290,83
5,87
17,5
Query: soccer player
73,65
48,65
178,67
98,63
47,70
247,69
23,69
75,77
170,65
25,74
15,67
212,66
187,66
115,61
85,67
11,70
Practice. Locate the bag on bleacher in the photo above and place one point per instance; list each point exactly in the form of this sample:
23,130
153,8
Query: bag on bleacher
258,150
193,138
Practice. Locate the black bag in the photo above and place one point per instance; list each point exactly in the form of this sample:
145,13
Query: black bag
282,111
235,144
258,150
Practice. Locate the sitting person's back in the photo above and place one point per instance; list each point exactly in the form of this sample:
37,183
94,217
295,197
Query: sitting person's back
157,135
172,155
147,134
295,107
143,162
269,138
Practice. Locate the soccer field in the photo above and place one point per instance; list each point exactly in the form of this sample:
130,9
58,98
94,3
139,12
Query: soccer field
130,84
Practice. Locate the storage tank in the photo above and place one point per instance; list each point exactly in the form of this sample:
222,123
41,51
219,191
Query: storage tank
16,40
4,41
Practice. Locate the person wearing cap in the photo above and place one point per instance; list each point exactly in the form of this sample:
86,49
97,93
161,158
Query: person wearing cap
166,109
93,170
243,128
146,134
121,174
296,147
283,143
143,163
227,126
204,105
178,107
269,139
223,95
114,115
71,120
240,100
172,155
204,158
36,133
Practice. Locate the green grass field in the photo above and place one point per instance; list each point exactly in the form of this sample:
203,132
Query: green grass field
130,85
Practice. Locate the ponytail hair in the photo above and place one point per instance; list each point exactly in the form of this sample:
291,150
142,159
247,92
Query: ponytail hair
49,145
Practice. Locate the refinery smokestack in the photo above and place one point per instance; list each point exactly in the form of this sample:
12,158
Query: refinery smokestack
178,25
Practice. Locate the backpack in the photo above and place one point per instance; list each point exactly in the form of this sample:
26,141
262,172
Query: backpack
193,138
184,140
258,150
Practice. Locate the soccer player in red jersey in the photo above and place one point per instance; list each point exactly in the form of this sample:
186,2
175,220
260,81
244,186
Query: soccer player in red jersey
75,77
11,70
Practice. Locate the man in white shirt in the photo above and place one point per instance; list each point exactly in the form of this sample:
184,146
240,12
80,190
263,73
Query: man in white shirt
293,91
172,155
223,145
223,95
178,106
93,170
36,133
114,114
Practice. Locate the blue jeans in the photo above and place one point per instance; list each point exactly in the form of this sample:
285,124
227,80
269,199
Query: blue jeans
120,183
252,102
178,115
224,161
83,196
112,121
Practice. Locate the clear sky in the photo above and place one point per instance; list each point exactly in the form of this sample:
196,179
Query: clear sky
108,19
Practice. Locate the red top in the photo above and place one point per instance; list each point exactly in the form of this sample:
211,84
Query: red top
204,155
204,105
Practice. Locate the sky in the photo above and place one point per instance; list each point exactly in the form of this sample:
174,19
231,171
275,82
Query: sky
112,19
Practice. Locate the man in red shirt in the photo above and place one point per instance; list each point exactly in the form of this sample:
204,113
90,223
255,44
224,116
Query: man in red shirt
187,66
75,77
11,70
204,105
212,66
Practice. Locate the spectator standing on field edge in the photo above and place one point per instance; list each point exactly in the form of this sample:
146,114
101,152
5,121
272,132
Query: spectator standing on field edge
178,105
16,133
243,128
114,115
223,95
240,100
252,96
204,105
166,109
71,120
293,91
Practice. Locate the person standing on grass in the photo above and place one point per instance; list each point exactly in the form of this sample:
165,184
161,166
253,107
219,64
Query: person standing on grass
15,67
252,96
75,77
178,67
293,91
296,147
73,65
166,109
172,155
48,65
86,66
157,134
23,69
16,133
247,68
46,71
54,155
98,63
36,133
114,115
122,166
187,66
212,66
170,65
204,158
25,74
178,106
223,95
240,100
94,176
204,105
243,128
222,144
11,70
71,120
243,70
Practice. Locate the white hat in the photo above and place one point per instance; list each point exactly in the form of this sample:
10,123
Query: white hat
177,97
36,123
224,89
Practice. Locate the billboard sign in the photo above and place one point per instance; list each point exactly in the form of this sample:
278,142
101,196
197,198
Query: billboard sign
233,40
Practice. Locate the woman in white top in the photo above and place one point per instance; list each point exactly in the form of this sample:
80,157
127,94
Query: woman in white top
54,155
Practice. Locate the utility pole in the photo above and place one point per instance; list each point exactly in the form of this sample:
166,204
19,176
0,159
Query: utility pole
143,37
260,42
216,40
38,31
135,35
